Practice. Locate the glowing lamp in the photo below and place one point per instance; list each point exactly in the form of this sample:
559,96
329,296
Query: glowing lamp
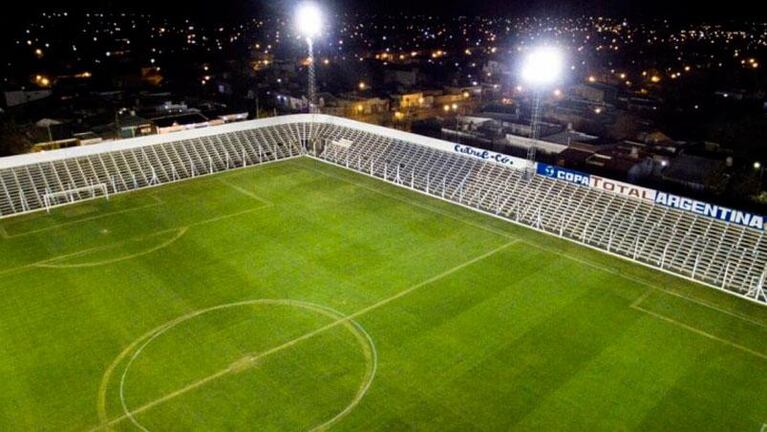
542,66
309,20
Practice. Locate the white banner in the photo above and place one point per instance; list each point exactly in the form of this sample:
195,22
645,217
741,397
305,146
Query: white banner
492,156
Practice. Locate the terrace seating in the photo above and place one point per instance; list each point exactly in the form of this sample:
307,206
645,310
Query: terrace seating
726,256
22,188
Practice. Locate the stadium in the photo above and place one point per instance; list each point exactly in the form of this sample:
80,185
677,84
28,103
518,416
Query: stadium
309,272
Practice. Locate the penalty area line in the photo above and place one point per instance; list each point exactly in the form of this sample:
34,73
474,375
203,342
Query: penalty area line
405,200
643,297
41,263
229,216
648,284
244,191
700,332
163,245
654,288
722,310
158,202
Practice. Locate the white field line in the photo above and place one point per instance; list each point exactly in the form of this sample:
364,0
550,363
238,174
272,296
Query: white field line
290,343
204,176
230,215
119,243
251,360
158,203
636,305
597,266
507,235
532,228
408,201
163,245
701,332
216,176
649,285
17,269
652,288
362,391
643,297
244,191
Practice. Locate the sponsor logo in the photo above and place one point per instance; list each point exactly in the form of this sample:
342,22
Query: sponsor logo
621,188
563,174
485,154
710,210
661,198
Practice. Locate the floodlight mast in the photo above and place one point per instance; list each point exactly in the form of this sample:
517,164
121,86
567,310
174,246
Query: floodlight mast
309,24
312,85
541,68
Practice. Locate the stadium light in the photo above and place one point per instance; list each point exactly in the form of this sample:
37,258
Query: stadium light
541,68
309,20
309,25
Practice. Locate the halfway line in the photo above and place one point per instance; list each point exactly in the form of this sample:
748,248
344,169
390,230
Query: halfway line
305,336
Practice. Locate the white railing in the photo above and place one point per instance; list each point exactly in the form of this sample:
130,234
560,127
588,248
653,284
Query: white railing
713,252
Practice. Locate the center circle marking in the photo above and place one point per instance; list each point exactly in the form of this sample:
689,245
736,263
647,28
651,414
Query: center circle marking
366,342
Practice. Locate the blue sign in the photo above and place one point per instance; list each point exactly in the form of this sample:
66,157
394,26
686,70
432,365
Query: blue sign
563,174
710,210
661,198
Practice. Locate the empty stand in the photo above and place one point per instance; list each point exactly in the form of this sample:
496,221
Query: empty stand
723,255
726,256
25,187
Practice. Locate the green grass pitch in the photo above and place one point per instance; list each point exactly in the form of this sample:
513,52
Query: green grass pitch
299,296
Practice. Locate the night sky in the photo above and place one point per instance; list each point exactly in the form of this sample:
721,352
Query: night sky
225,10
217,12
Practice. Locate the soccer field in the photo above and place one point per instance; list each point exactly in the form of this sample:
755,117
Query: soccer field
299,296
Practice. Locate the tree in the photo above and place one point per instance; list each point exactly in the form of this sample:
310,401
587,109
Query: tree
13,140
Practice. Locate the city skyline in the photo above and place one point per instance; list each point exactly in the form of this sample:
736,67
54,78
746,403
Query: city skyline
650,95
347,215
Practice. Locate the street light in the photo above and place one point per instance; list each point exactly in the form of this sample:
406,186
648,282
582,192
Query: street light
309,25
541,68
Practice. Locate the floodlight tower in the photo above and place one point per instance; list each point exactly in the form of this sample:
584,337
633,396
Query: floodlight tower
309,25
541,68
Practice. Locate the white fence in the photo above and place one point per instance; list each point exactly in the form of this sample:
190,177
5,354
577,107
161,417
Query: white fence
728,256
31,182
611,218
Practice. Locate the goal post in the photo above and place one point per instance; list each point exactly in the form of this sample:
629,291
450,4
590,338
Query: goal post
53,199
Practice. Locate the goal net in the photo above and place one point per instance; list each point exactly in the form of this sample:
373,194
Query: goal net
53,199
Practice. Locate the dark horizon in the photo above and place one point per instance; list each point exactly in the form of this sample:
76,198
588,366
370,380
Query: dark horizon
227,11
